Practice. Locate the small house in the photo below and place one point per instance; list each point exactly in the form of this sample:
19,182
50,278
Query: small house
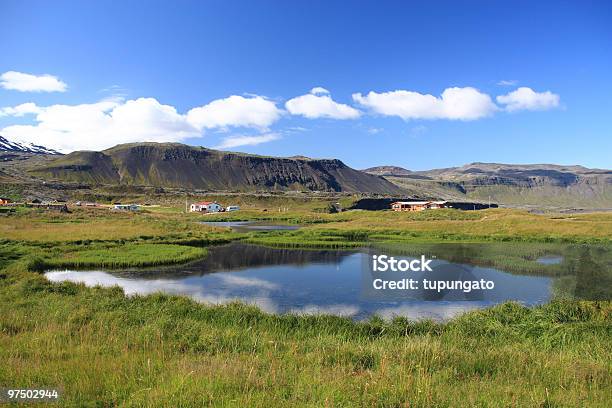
4,201
206,206
126,207
417,205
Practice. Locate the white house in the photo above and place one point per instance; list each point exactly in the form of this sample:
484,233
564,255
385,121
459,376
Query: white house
126,207
205,206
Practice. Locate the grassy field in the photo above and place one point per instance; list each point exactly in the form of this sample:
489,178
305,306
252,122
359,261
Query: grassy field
501,224
127,255
106,349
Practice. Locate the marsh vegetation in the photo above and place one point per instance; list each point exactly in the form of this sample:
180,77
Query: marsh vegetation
161,350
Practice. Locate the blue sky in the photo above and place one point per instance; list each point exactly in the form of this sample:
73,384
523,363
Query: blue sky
419,84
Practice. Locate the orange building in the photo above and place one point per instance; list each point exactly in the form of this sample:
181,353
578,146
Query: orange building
417,205
4,201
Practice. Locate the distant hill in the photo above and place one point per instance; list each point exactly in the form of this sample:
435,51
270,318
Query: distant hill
513,184
182,166
14,147
389,171
524,174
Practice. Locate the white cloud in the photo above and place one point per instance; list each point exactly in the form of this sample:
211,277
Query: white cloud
243,281
112,121
525,98
319,90
22,82
507,82
256,112
103,124
318,104
455,103
96,126
20,110
240,140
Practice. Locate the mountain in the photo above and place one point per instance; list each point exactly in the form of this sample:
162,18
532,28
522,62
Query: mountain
174,165
515,173
389,171
512,184
8,146
181,166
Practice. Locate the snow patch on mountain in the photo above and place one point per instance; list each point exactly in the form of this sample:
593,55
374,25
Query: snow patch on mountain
9,146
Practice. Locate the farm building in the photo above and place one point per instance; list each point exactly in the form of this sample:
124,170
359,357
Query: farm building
206,206
126,207
417,205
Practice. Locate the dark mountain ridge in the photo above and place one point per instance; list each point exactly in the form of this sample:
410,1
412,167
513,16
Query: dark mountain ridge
179,165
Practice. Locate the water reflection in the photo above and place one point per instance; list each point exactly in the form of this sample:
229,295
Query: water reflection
593,274
237,256
331,281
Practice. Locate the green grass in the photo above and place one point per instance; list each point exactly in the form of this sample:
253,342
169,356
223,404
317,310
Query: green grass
356,238
447,224
127,255
317,217
106,349
309,239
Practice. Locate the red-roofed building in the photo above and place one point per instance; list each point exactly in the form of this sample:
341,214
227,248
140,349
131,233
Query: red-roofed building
206,206
417,205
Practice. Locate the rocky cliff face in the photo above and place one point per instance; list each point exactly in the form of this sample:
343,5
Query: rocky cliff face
529,184
181,166
528,175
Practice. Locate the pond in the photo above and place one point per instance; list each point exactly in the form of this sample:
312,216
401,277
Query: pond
325,281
